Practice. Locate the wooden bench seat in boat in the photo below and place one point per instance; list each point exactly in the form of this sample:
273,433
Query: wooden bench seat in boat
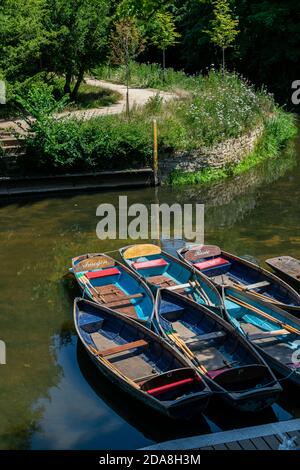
162,281
268,334
123,347
257,285
125,297
204,337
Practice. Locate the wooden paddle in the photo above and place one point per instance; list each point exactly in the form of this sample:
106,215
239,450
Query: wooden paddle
197,287
88,284
113,368
243,288
181,344
287,327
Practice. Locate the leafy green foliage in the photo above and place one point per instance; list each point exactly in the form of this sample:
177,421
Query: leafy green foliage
163,30
223,28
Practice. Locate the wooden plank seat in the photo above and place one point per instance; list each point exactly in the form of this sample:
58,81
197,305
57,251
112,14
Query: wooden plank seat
181,286
162,281
125,297
122,347
268,334
257,285
205,337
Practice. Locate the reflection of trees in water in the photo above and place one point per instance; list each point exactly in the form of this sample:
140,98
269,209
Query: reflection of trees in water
228,201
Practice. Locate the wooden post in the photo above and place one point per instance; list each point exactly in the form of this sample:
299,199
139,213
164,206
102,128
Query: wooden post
155,152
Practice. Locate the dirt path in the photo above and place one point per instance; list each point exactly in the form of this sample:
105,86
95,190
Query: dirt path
137,96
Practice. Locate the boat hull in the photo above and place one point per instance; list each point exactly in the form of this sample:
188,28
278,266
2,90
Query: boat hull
185,411
180,274
261,274
279,316
146,310
185,406
248,400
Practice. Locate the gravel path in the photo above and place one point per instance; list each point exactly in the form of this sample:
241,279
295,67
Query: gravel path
137,97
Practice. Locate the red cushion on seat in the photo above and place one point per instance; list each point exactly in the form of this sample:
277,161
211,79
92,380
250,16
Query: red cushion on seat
165,388
211,263
150,264
102,273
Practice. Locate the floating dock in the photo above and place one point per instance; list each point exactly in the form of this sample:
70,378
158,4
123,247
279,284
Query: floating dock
264,437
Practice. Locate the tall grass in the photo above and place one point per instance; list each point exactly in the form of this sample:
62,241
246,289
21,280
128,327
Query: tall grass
146,76
278,131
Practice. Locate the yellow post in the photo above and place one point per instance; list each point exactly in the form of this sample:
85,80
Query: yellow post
155,152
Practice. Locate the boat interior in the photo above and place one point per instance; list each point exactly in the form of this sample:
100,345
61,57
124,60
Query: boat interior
160,270
228,271
117,289
135,354
224,356
273,336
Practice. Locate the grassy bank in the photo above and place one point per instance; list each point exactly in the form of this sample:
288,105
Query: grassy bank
277,132
208,110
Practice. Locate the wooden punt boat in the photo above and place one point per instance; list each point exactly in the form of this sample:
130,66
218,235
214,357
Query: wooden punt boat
274,332
162,270
288,268
108,282
227,362
140,362
226,269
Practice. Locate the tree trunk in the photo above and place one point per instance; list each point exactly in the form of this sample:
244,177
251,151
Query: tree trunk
223,60
67,87
164,65
74,93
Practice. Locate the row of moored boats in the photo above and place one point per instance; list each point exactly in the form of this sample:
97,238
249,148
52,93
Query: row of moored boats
174,331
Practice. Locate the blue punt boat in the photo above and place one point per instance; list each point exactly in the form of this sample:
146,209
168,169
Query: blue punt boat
162,270
223,268
140,362
226,360
108,282
274,332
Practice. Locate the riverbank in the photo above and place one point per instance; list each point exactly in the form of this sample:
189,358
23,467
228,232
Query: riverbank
265,142
209,127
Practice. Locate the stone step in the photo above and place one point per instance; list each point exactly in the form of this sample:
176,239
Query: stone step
10,141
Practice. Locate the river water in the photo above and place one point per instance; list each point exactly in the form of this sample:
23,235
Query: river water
51,396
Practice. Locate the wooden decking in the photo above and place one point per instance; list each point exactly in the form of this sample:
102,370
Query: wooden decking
264,437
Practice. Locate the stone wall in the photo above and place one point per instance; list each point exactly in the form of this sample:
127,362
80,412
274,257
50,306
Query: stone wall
226,153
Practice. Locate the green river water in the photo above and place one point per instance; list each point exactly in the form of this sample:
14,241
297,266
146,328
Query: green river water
51,396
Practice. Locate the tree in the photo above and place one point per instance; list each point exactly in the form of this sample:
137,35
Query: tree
223,28
80,29
142,9
23,38
126,44
163,34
